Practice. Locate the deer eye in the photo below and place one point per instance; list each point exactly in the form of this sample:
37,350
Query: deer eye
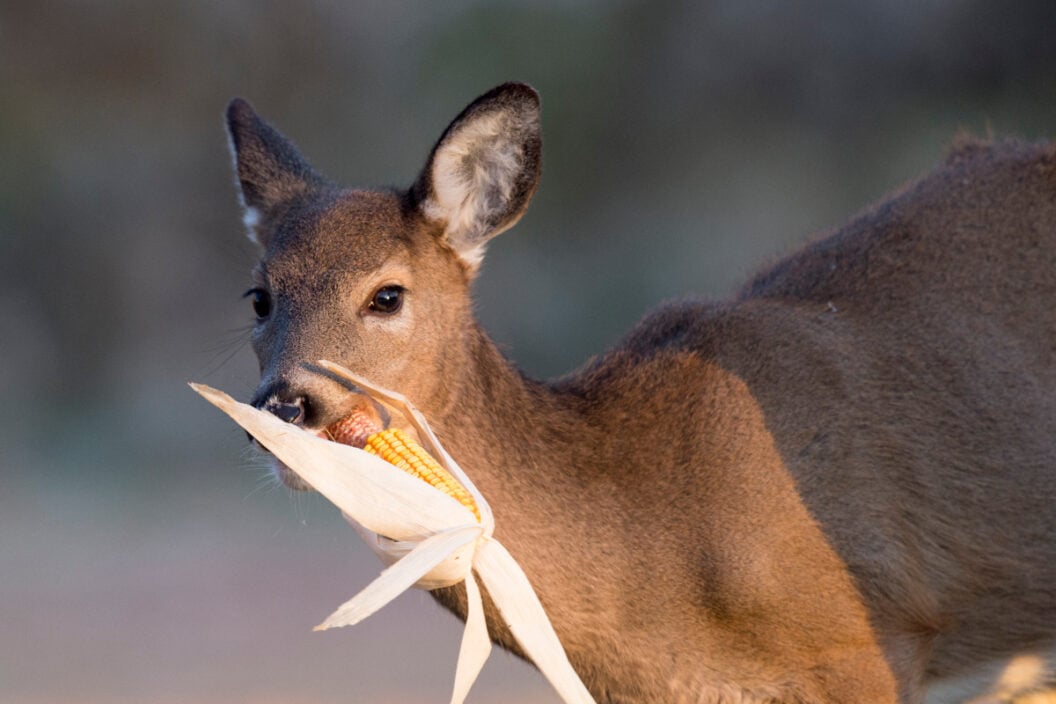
386,300
261,300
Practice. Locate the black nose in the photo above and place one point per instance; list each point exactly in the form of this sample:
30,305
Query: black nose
289,410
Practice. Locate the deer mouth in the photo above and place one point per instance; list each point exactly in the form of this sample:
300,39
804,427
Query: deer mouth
363,417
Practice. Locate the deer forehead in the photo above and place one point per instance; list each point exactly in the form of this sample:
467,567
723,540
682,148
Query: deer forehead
348,244
355,233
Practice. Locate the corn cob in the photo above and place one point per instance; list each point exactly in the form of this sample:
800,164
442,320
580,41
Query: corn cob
395,447
352,430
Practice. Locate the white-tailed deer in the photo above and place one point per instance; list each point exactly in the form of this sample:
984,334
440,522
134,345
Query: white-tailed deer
835,487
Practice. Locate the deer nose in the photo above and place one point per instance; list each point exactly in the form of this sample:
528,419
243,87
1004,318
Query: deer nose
289,410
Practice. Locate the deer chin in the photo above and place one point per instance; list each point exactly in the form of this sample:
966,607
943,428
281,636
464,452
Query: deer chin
289,478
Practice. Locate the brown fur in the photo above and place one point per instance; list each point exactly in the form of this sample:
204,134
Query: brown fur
836,487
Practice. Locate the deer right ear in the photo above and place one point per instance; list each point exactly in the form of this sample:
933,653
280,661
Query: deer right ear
269,169
484,170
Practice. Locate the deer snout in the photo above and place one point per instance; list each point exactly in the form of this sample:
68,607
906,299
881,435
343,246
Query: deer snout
300,399
317,404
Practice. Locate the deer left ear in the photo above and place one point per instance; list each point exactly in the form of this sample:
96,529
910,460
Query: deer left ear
484,170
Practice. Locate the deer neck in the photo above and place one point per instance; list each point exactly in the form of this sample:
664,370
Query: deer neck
513,436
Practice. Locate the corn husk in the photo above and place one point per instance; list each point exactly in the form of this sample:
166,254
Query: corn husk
426,538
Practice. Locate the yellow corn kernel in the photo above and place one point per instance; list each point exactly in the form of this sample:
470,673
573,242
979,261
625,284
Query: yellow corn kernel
395,447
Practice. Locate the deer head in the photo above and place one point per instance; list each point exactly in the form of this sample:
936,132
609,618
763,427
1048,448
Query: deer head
377,280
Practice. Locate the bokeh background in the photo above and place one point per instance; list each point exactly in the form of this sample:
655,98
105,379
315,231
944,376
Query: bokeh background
144,554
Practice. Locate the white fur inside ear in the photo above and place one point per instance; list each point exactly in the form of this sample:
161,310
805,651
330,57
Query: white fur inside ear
473,256
250,215
474,173
251,219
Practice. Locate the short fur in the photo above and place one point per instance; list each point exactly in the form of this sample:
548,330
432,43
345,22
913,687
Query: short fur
835,487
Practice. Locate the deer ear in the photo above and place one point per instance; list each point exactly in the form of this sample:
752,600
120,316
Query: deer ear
484,170
269,169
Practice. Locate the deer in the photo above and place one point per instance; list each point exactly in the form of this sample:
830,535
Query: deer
836,485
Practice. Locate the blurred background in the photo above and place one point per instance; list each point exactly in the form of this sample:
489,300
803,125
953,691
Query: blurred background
144,554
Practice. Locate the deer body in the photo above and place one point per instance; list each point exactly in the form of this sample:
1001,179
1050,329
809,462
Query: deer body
833,488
